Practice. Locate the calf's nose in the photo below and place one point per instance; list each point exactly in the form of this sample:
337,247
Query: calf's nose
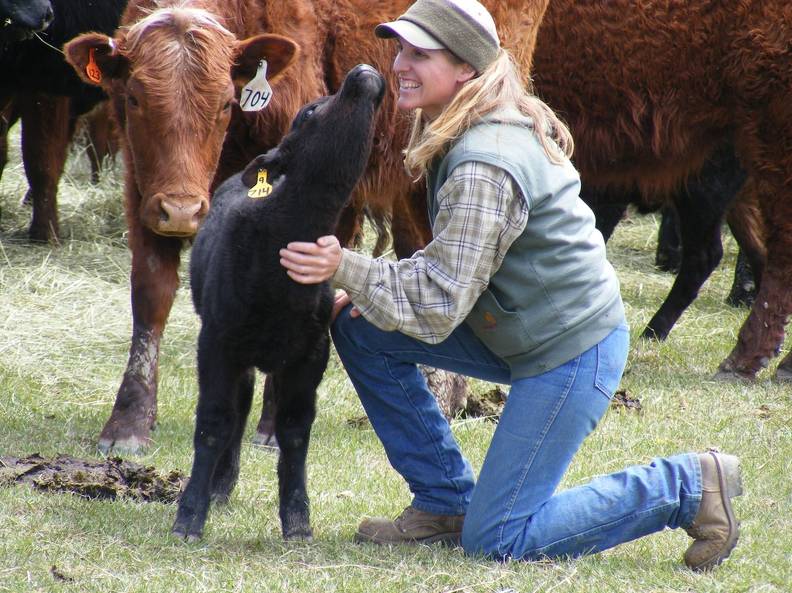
179,216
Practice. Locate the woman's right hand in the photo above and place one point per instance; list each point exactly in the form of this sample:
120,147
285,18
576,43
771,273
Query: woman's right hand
342,300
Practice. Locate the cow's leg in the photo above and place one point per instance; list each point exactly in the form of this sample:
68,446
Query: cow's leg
762,332
216,424
47,128
743,290
669,247
745,223
607,213
265,431
227,470
8,117
101,137
701,207
154,279
295,392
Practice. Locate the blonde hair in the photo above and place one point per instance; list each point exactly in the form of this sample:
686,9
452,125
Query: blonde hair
500,85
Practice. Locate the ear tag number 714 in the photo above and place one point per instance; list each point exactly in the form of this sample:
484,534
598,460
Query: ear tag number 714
257,93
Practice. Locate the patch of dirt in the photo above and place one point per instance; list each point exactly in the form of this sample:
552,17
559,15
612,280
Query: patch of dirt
487,405
623,400
107,479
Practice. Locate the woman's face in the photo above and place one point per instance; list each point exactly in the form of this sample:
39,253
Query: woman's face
428,78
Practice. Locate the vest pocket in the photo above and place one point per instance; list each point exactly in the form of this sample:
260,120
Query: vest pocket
502,331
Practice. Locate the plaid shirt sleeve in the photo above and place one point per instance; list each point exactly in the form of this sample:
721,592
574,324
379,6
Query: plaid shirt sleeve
481,213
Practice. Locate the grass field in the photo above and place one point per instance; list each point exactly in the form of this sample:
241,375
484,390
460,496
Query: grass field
65,324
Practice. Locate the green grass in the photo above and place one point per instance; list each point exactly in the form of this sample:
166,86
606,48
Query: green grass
65,324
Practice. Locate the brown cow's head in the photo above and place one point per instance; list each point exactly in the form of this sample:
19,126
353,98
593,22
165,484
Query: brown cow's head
172,77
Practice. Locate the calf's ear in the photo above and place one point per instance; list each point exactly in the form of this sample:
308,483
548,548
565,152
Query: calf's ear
95,58
280,53
270,161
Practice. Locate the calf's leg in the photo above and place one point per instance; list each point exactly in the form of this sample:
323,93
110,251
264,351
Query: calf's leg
227,470
223,403
295,393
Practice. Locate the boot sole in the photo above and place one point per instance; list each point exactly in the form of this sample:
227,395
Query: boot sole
730,480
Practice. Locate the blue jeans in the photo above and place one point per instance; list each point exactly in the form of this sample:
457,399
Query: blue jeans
513,510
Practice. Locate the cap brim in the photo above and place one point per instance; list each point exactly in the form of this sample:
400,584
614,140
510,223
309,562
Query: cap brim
410,32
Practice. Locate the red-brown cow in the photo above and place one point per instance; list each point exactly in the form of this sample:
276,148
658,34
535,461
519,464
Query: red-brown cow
169,73
652,88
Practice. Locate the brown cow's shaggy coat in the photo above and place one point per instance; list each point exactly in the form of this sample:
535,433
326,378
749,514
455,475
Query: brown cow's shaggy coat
651,88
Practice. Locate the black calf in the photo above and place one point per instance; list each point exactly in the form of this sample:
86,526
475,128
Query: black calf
253,314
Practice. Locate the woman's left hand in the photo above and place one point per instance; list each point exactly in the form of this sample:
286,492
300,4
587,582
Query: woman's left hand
312,263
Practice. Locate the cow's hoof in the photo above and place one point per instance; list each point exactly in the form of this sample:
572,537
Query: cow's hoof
131,445
733,377
266,440
783,375
181,531
299,535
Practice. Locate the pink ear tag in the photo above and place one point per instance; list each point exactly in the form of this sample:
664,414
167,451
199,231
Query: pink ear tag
257,93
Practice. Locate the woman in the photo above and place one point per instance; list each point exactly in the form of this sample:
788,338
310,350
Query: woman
514,288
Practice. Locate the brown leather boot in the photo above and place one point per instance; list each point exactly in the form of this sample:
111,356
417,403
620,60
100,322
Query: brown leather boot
413,526
714,529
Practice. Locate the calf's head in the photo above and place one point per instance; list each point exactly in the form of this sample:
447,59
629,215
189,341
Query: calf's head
329,141
173,77
21,18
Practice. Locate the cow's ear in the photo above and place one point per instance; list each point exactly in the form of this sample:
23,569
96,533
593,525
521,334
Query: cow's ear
280,53
95,58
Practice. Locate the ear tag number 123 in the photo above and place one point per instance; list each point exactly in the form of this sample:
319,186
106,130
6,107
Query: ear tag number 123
257,93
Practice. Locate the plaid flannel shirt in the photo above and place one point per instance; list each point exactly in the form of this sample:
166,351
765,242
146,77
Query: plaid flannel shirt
481,212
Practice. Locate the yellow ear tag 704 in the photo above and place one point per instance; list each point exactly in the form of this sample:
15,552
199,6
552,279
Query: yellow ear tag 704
92,70
262,188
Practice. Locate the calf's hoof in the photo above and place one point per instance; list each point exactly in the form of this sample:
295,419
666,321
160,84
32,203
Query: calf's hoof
187,530
266,439
298,534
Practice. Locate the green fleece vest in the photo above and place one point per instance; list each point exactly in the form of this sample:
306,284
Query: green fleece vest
555,294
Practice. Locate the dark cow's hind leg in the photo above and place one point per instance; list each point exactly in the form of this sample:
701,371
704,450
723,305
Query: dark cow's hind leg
701,210
669,247
295,392
216,423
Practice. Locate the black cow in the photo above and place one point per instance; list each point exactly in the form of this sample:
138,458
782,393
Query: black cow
702,205
253,315
20,19
40,88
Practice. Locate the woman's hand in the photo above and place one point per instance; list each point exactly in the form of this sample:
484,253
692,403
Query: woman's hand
342,300
312,263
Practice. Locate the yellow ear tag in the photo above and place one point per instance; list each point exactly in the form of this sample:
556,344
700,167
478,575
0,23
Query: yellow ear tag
262,188
92,70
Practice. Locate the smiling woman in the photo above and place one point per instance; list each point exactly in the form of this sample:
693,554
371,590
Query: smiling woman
513,288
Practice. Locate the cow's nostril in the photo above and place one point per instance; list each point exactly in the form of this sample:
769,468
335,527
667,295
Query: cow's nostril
163,214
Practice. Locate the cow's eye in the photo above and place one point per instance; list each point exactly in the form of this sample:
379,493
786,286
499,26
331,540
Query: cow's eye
132,101
227,105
